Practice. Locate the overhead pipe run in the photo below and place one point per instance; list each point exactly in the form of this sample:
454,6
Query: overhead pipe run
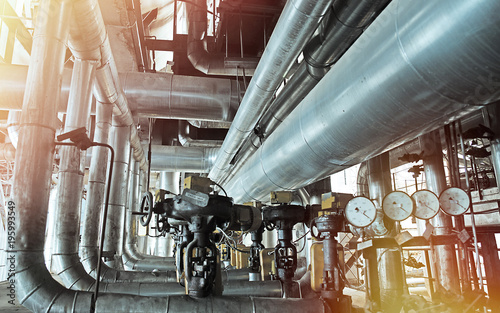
148,94
403,77
296,24
182,159
202,60
345,23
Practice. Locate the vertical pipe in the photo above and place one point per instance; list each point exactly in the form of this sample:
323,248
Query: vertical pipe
34,161
443,256
113,240
96,187
71,172
168,181
389,266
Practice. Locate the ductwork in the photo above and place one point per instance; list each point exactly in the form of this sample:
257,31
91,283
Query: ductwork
296,24
202,60
159,95
182,159
403,77
346,22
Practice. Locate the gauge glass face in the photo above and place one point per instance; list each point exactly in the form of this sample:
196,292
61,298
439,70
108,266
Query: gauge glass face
360,212
426,204
397,205
454,201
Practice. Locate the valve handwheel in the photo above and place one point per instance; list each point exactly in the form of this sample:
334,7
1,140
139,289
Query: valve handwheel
146,208
162,224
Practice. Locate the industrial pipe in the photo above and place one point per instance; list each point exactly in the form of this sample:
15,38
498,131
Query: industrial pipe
182,159
346,22
296,24
200,58
159,95
13,125
392,85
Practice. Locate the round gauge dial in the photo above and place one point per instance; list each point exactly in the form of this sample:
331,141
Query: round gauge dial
454,201
360,212
397,205
426,204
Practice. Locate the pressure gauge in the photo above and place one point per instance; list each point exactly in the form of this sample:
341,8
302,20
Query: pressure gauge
426,204
454,201
360,212
397,206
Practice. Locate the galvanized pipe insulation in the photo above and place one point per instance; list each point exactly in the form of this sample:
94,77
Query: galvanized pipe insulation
35,288
344,25
418,66
70,188
202,60
182,159
296,24
159,95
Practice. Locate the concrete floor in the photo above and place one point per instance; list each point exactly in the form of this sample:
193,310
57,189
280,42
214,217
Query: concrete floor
5,306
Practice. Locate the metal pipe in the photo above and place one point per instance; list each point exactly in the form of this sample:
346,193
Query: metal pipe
182,159
444,256
389,265
186,304
7,152
37,290
89,41
113,239
200,58
296,24
186,141
13,126
347,21
334,128
168,181
159,95
70,189
492,116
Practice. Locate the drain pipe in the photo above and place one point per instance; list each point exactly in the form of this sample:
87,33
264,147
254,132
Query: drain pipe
297,22
335,128
200,58
347,21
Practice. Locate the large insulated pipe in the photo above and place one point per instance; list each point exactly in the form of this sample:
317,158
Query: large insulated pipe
200,58
89,41
403,77
65,260
443,256
36,289
159,95
113,238
182,159
296,24
346,22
